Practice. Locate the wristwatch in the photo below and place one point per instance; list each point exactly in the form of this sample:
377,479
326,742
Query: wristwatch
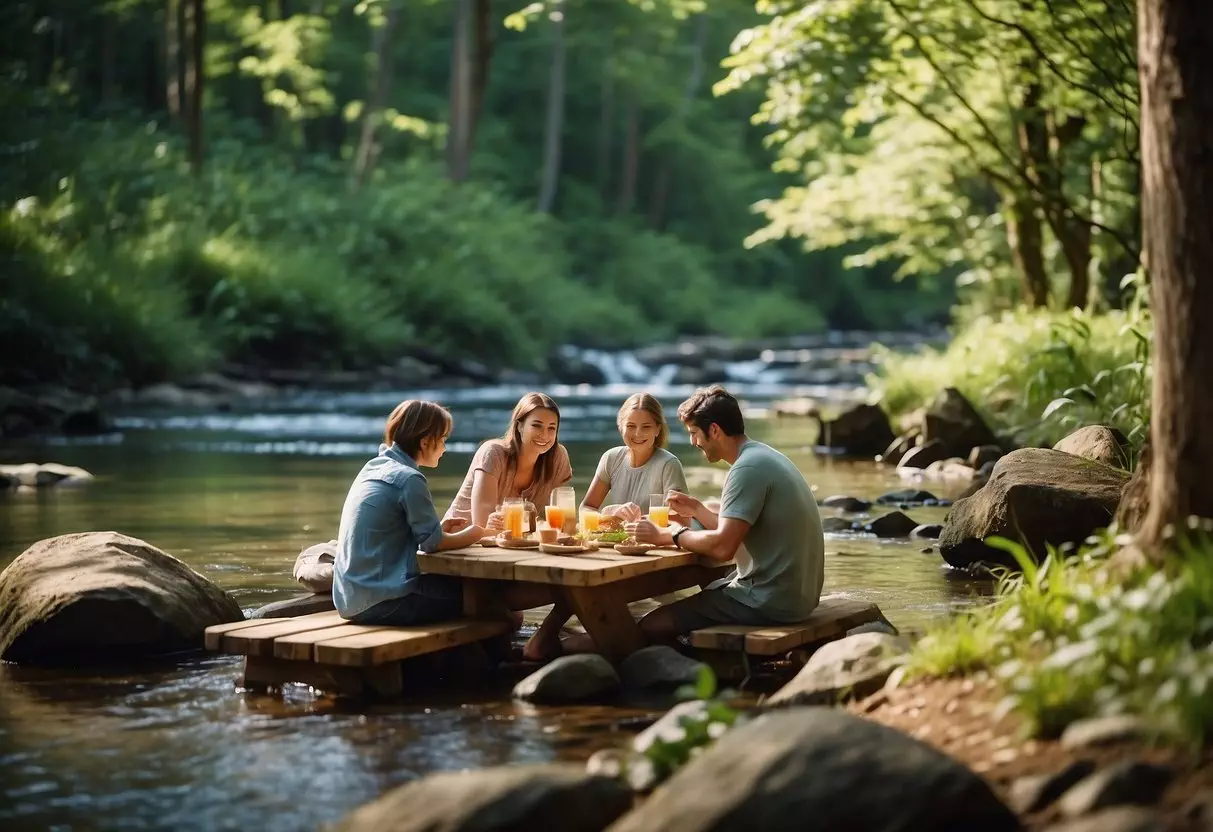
677,534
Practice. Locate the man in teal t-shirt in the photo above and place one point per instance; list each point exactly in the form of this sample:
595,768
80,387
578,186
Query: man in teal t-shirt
767,505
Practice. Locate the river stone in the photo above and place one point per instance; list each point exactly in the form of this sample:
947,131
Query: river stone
893,524
296,605
1037,496
850,668
314,566
1119,819
562,797
819,768
1107,730
924,455
1130,781
837,524
50,473
952,420
658,666
569,679
927,531
862,430
103,594
900,446
905,496
845,503
881,625
982,454
1099,443
1036,792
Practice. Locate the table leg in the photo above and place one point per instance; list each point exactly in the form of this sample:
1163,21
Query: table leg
603,611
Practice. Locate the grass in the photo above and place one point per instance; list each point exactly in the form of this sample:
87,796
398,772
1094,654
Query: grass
1069,639
1034,375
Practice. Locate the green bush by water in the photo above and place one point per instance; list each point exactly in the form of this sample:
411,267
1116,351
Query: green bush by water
1070,639
1034,375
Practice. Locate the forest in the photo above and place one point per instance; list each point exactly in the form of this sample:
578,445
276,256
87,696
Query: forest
195,184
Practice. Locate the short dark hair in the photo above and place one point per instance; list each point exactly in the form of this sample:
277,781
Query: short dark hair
414,420
713,405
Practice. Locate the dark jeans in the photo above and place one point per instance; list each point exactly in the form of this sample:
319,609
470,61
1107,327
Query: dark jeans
435,598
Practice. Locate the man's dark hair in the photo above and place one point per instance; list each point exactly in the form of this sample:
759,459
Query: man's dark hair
713,405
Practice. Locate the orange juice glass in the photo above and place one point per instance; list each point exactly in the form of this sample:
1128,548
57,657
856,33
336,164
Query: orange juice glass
512,510
659,510
555,516
590,520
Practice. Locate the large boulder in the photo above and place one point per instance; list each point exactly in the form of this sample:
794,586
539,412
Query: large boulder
952,420
574,678
1099,443
510,798
314,567
850,668
820,768
863,430
1037,496
103,595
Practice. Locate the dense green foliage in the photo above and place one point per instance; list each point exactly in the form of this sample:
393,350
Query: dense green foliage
989,140
1070,639
276,248
1035,375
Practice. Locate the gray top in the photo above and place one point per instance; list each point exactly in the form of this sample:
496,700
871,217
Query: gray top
626,484
782,567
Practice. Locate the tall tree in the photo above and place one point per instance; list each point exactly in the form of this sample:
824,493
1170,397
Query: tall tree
1175,40
661,187
196,80
554,124
382,40
459,127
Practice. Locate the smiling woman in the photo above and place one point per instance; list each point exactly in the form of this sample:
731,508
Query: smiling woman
527,463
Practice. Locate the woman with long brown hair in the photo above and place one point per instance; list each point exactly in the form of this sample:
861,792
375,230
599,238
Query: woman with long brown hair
526,463
388,517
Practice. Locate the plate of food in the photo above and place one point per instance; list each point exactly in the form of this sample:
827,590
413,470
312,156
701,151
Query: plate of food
631,546
568,545
515,542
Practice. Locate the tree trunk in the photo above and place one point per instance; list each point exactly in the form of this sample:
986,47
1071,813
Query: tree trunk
1175,40
458,140
631,159
1026,242
174,65
195,81
606,120
377,95
554,127
109,57
483,58
661,188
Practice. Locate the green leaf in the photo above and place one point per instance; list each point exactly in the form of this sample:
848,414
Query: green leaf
1054,406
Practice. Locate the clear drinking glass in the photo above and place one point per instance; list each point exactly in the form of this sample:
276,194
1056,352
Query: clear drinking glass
659,510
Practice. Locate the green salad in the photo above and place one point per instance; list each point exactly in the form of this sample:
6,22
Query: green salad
613,537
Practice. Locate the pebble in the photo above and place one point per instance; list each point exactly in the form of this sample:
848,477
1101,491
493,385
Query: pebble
1131,781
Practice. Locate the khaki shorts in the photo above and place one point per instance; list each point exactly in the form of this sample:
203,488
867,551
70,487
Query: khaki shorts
711,607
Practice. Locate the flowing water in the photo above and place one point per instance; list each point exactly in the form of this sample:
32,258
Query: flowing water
236,495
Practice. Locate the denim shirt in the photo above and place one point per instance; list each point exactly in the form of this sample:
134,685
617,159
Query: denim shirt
388,515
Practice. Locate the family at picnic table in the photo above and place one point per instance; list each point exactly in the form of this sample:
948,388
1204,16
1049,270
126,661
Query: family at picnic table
766,520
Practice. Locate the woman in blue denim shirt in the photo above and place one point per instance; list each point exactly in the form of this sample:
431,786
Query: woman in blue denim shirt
388,516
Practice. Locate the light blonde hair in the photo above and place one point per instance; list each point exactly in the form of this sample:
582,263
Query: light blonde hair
545,466
414,420
649,404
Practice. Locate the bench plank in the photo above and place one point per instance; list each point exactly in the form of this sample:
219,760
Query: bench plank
215,632
301,646
259,641
831,620
396,643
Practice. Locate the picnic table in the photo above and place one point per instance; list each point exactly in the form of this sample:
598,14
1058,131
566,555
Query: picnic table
597,585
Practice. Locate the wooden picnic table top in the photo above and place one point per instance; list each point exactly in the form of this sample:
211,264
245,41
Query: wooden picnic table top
597,568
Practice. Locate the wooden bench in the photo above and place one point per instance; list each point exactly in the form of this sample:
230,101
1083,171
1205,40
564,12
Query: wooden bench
326,651
829,622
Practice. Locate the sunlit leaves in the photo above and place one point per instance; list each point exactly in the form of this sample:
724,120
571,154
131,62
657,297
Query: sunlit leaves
286,54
